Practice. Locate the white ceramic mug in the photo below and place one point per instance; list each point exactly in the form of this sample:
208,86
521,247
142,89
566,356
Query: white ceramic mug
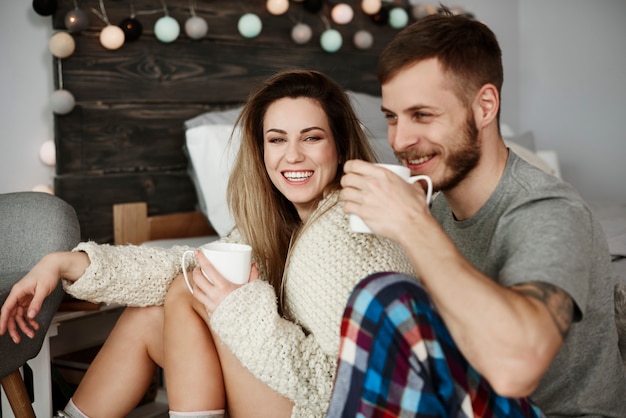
233,261
357,224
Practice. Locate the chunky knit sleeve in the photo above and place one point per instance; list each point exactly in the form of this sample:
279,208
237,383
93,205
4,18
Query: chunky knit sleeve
276,350
129,275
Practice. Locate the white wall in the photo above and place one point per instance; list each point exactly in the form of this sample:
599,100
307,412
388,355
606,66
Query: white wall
26,120
573,91
564,64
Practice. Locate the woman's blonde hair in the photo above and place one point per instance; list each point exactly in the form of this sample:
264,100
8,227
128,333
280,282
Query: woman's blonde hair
264,217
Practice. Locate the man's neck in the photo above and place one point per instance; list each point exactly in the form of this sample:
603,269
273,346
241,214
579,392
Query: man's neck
467,197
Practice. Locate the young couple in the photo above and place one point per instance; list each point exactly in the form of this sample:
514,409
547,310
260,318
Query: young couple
513,302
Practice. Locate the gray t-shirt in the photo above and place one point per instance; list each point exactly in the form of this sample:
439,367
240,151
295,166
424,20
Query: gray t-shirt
535,227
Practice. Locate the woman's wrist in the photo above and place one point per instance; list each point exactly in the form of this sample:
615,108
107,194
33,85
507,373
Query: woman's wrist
70,265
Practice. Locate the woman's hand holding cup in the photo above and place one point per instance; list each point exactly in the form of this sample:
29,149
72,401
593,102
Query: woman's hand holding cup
222,268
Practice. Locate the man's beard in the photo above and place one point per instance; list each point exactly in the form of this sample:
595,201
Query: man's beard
463,156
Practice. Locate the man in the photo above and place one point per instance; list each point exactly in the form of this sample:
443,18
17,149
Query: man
513,311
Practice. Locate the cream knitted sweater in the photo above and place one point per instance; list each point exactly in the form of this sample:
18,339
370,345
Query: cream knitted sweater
296,356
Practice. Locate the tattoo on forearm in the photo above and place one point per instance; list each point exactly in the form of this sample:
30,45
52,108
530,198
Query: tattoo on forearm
559,303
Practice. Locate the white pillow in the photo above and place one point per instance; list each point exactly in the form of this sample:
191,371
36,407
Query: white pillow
530,157
212,154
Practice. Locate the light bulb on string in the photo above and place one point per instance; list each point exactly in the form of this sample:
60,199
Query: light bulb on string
249,25
363,39
62,101
131,27
111,36
196,27
398,18
421,10
313,6
61,45
76,20
45,7
330,40
371,7
342,13
166,28
301,33
277,7
47,153
382,17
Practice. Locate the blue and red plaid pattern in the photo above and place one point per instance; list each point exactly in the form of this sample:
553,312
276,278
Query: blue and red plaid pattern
397,359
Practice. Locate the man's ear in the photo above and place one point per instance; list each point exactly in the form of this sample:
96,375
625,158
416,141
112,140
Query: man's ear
486,105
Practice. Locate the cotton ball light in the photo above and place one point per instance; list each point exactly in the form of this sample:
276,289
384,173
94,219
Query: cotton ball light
301,33
421,10
342,13
112,37
249,25
363,39
62,102
382,17
196,27
76,20
398,18
62,45
331,40
166,29
277,7
371,7
47,153
43,188
313,6
45,7
132,29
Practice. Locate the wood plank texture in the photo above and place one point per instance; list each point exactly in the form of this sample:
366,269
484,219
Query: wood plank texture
124,140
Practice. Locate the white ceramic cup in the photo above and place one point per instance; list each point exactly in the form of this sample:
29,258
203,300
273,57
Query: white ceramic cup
233,261
357,224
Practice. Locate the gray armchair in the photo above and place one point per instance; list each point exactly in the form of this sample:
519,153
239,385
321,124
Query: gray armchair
31,225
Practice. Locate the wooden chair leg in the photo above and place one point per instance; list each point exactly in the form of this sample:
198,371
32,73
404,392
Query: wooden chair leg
15,389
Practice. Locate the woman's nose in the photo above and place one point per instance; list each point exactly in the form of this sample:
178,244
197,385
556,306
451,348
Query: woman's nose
294,152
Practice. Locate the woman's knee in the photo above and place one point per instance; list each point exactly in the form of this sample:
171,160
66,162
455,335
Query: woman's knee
178,293
141,317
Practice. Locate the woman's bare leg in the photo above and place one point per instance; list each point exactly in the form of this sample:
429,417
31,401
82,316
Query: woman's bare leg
247,396
121,373
198,367
193,374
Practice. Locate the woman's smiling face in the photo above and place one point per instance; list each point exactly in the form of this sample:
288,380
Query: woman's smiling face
299,151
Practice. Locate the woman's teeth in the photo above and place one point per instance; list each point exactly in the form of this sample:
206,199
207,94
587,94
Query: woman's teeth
297,175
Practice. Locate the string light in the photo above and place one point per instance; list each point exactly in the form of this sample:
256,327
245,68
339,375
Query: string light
62,101
249,25
76,20
111,37
131,27
61,45
277,7
342,14
395,13
196,27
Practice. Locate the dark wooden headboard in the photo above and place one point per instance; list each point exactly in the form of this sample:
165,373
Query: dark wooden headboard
123,142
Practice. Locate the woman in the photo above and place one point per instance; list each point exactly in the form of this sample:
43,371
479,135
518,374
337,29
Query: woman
239,348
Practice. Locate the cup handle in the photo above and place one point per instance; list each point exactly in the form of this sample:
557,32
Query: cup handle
429,182
183,264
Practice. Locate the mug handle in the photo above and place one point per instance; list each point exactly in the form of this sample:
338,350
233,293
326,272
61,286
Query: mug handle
429,182
184,267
